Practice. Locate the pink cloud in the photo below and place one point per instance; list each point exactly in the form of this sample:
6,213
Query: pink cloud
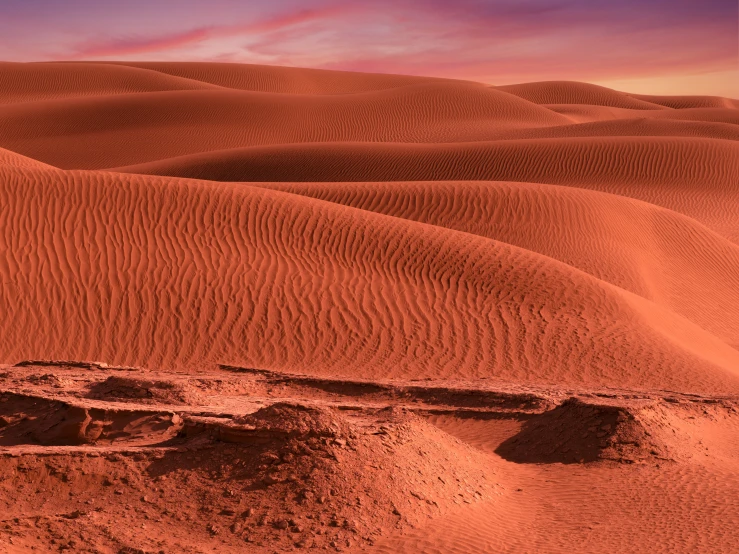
292,19
429,46
138,45
141,45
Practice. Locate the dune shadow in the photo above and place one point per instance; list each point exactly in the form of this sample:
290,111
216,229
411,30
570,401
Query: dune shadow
573,432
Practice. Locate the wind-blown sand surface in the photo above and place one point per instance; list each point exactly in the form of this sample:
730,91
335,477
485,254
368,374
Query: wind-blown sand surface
262,309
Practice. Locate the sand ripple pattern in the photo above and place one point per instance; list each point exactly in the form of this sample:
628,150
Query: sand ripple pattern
178,216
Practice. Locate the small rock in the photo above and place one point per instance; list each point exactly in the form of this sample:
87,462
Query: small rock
271,480
271,458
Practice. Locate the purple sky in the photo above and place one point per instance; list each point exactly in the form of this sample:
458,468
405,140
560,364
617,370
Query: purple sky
659,46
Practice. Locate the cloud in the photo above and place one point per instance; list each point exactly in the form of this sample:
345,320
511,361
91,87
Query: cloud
138,45
126,46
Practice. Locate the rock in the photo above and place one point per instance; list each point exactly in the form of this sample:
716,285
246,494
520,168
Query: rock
271,480
270,458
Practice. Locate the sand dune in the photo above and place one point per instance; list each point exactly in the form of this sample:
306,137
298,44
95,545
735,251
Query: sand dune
683,102
284,80
10,159
24,82
567,92
291,308
695,177
97,131
121,130
116,130
658,254
585,113
209,261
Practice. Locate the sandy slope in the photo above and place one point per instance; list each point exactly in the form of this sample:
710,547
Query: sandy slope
252,248
567,92
284,80
113,130
695,177
656,253
45,81
178,261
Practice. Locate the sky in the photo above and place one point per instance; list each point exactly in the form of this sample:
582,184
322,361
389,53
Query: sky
647,46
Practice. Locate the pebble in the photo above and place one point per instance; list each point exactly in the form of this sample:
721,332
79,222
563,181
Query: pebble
280,524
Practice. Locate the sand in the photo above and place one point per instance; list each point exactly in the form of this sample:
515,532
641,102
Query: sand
259,309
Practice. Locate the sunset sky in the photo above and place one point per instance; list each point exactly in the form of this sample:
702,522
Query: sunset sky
650,46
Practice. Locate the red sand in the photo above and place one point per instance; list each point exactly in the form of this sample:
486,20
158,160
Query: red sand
259,309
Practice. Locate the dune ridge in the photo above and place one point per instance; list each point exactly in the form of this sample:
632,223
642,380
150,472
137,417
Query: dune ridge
165,283
655,253
569,92
695,177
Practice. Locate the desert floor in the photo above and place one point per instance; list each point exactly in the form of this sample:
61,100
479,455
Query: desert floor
265,309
